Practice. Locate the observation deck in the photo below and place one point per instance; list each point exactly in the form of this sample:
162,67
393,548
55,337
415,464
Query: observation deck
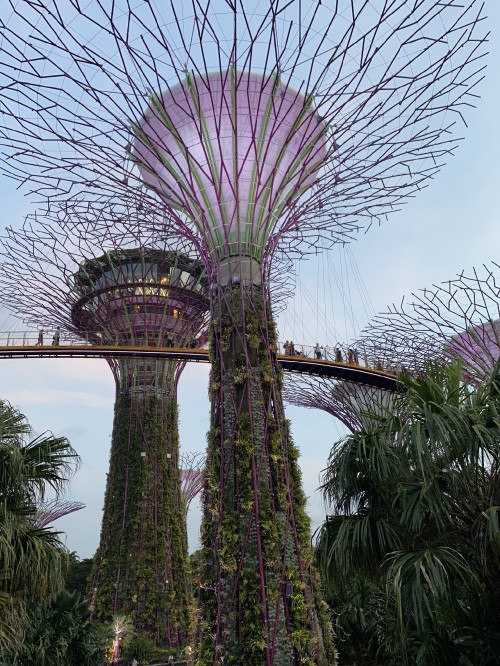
23,346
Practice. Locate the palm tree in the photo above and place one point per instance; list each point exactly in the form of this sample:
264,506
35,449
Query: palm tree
411,554
33,560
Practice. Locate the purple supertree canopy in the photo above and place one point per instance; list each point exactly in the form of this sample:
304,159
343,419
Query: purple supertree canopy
232,150
140,295
95,272
459,317
352,404
48,512
192,467
64,255
366,94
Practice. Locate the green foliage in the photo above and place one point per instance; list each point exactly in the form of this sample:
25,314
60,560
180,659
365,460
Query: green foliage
79,575
410,557
33,561
61,634
141,567
255,534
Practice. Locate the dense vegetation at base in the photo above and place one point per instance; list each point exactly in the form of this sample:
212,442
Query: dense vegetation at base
411,556
40,623
141,566
409,559
258,594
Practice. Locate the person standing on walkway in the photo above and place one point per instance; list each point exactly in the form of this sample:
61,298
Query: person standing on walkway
40,338
56,337
317,351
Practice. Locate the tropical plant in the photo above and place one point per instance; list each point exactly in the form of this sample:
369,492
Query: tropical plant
33,560
61,635
123,632
411,556
79,574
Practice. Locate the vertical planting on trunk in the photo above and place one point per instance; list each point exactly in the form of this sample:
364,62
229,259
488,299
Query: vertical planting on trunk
259,597
141,566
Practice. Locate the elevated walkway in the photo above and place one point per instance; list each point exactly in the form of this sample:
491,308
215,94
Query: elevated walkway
300,364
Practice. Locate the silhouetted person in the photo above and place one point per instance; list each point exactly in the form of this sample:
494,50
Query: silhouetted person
56,337
40,338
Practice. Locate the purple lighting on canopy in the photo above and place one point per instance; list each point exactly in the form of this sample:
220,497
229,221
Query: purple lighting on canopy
459,317
479,347
234,151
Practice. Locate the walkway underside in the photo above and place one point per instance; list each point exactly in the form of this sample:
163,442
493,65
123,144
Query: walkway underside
301,364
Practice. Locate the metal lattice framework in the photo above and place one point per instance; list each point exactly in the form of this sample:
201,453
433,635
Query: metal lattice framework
96,272
459,317
348,402
192,475
276,126
370,96
48,512
81,269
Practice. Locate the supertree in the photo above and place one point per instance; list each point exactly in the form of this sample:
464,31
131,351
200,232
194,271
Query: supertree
48,512
459,317
349,402
83,271
192,469
275,127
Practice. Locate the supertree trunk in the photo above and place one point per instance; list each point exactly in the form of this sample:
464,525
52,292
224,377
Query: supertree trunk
258,594
141,566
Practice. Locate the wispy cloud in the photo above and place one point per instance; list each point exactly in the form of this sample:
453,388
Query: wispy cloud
60,397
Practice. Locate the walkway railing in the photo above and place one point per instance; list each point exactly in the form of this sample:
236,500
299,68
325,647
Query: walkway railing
305,358
339,354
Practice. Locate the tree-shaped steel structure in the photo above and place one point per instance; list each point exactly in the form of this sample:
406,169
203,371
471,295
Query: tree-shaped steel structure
192,476
48,512
275,126
460,317
350,403
80,269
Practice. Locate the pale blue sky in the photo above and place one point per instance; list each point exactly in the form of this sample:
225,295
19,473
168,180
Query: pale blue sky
452,225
